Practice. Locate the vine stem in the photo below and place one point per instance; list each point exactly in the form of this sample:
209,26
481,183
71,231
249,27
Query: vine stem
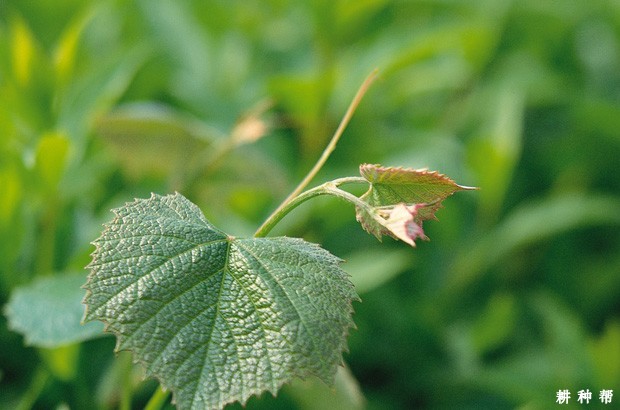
328,188
268,224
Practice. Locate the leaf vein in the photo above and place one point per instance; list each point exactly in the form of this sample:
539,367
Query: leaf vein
301,319
149,272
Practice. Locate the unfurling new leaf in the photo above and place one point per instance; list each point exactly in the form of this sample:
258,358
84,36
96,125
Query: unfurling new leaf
400,199
215,318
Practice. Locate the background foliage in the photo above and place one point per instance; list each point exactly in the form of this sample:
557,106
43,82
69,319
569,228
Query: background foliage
230,103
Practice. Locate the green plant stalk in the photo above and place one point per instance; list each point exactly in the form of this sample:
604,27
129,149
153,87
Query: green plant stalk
126,387
157,400
328,149
328,188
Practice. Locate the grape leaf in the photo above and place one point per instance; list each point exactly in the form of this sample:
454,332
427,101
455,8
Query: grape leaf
401,199
215,318
48,312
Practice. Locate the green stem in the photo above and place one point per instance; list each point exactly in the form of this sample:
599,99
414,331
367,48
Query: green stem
349,180
158,399
328,188
34,390
126,387
326,152
332,189
332,143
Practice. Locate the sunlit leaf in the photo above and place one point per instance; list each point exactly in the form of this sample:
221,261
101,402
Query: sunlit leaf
11,194
215,318
66,49
90,95
23,50
495,153
51,158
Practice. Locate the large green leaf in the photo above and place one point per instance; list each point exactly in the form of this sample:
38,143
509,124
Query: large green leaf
48,312
215,318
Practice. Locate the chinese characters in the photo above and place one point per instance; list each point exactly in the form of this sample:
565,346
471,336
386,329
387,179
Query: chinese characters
583,396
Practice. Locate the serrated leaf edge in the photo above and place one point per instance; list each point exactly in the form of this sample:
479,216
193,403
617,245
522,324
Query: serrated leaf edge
373,174
366,168
144,365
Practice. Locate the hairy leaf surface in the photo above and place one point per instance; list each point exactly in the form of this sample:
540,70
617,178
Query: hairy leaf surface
401,199
215,318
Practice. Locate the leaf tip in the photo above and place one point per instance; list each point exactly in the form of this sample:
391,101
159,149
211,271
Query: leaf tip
469,188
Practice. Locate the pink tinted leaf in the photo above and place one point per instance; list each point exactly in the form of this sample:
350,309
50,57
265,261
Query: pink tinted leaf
390,186
403,223
400,222
400,199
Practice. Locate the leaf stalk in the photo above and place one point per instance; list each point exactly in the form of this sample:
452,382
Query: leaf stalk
328,188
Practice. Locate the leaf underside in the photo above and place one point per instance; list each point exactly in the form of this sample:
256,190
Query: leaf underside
216,319
394,192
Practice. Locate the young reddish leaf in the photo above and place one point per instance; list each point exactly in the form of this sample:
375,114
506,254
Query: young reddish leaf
400,222
401,199
390,186
404,224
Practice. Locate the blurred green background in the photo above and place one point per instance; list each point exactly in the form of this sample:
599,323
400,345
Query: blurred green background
230,103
